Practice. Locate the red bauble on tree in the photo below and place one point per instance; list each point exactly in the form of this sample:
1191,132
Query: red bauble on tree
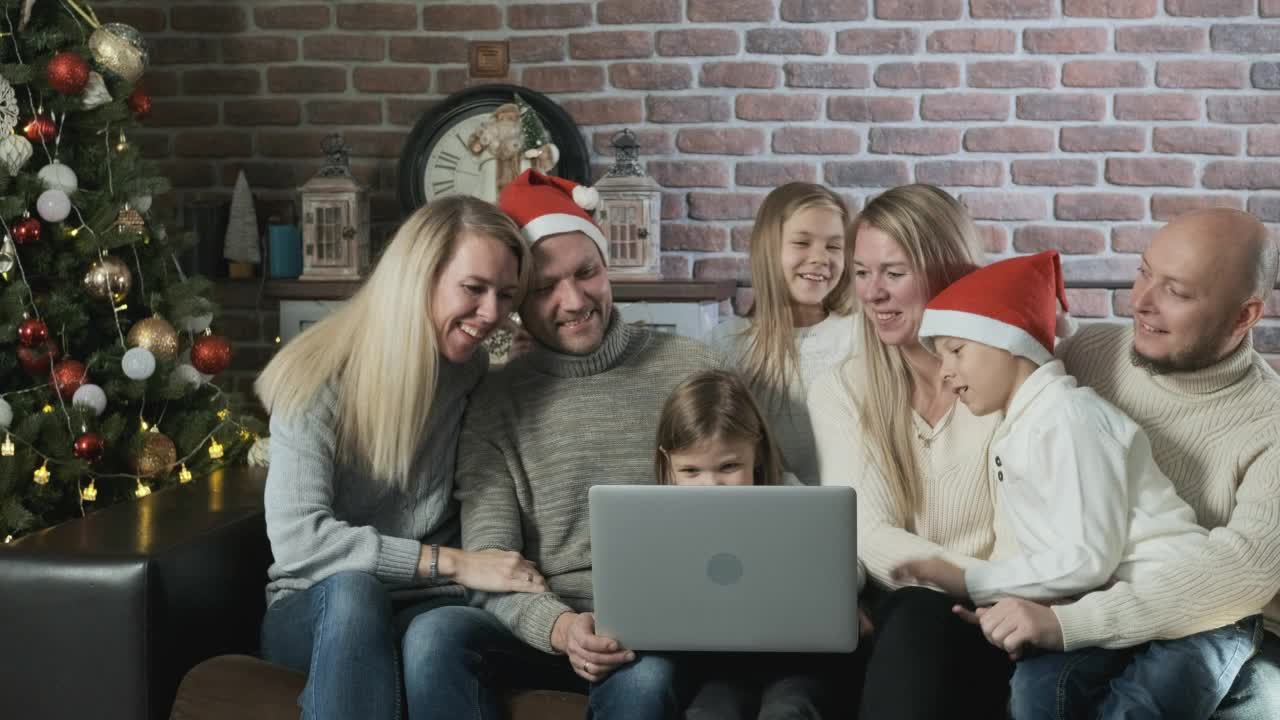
40,129
68,73
36,360
210,354
67,377
32,332
27,230
89,446
139,102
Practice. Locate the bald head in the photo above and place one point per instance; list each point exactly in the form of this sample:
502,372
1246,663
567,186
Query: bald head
1231,245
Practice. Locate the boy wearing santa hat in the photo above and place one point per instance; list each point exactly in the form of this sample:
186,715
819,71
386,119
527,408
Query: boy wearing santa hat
1077,490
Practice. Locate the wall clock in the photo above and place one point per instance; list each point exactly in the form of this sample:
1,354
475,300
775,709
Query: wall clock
474,141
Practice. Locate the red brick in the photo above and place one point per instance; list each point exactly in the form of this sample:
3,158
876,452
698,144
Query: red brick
1109,8
1005,205
451,80
870,109
461,17
652,142
1255,109
378,16
699,42
823,10
269,174
722,268
1196,140
1089,303
740,239
252,113
675,267
564,78
1103,73
544,48
193,144
687,108
1242,175
739,75
699,238
1253,39
184,51
1264,141
1011,9
816,141
415,49
969,173
915,141
650,76
168,113
1008,139
292,17
344,112
774,174
609,45
721,141
1061,106
373,143
1168,207
161,83
919,9
1011,74
1132,238
259,49
405,111
605,111
1065,41
867,173
1200,74
1265,207
964,106
673,206
1112,138
1151,172
918,75
1065,239
221,82
778,108
787,41
546,16
306,79
208,18
144,20
899,41
292,144
1269,8
1055,172
730,10
827,75
374,47
1265,75
971,41
187,173
995,238
1098,206
1209,8
1161,38
724,206
1120,303
689,173
391,79
152,147
629,12
1157,107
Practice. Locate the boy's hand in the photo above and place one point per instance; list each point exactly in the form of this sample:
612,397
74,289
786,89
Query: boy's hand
1013,624
933,571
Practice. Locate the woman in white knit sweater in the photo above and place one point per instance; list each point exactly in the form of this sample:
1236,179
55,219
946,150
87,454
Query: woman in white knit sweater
885,424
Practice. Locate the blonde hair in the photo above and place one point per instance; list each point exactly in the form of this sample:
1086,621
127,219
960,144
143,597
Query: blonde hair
380,348
714,405
941,244
771,356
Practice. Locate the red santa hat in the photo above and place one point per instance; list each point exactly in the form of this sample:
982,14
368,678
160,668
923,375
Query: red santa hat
1011,305
544,205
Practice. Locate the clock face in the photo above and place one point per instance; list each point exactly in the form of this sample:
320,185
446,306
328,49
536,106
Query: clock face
453,166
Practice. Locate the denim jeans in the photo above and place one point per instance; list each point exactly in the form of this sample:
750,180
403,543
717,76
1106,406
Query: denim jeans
763,686
470,658
1256,692
1163,679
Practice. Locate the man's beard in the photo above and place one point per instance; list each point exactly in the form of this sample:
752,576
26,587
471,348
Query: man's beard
1202,354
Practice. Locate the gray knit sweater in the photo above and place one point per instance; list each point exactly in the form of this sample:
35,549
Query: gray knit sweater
325,515
543,430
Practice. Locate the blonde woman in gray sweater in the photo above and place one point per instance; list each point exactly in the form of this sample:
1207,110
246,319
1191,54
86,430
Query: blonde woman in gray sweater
366,407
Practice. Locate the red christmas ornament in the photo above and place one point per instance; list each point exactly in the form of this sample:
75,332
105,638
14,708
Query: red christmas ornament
36,360
27,230
67,377
140,103
210,354
32,332
68,73
40,129
89,446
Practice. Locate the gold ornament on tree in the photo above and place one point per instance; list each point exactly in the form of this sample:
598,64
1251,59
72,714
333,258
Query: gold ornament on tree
108,278
157,456
156,335
120,50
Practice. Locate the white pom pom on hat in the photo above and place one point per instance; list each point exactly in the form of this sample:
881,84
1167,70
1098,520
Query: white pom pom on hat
544,205
586,197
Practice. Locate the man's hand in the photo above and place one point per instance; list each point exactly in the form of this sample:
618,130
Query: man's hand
933,571
1013,624
865,627
489,570
592,656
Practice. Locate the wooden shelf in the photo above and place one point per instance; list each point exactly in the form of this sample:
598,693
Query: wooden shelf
623,291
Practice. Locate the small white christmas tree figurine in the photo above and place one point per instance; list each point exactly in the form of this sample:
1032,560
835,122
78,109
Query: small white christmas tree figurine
241,245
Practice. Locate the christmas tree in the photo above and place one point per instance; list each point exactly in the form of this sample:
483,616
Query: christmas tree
108,359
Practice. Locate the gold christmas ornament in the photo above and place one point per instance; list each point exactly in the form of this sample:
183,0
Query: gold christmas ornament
157,456
130,221
108,279
120,50
157,335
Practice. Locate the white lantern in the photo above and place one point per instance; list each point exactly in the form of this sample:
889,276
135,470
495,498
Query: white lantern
629,212
335,220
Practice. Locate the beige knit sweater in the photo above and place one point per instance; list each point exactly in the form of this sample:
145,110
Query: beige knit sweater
1216,434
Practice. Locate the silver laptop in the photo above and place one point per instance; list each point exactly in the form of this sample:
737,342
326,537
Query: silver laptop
762,569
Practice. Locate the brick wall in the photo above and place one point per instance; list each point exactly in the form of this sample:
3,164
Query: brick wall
1078,125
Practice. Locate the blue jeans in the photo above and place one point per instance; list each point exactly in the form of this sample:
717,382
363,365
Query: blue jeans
1256,693
1163,679
470,658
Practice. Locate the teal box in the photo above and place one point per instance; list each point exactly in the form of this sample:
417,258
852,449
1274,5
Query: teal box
285,251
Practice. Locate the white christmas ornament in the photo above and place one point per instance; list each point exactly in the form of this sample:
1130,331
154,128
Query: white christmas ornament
53,205
95,92
141,203
15,151
8,106
57,176
90,396
6,413
187,374
197,323
138,363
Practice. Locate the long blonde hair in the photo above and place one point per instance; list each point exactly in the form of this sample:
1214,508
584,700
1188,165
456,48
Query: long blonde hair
771,356
380,348
942,244
714,405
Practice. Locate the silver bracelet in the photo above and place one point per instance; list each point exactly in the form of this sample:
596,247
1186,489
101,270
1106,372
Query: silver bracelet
435,564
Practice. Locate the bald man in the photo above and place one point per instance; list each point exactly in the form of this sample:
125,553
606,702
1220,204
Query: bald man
1187,372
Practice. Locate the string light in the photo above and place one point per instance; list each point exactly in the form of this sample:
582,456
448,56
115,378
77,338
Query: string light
143,424
184,475
123,144
46,409
215,449
41,475
245,434
224,413
8,539
142,490
7,448
90,493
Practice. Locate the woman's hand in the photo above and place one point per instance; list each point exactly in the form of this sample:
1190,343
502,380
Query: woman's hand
491,570
933,571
